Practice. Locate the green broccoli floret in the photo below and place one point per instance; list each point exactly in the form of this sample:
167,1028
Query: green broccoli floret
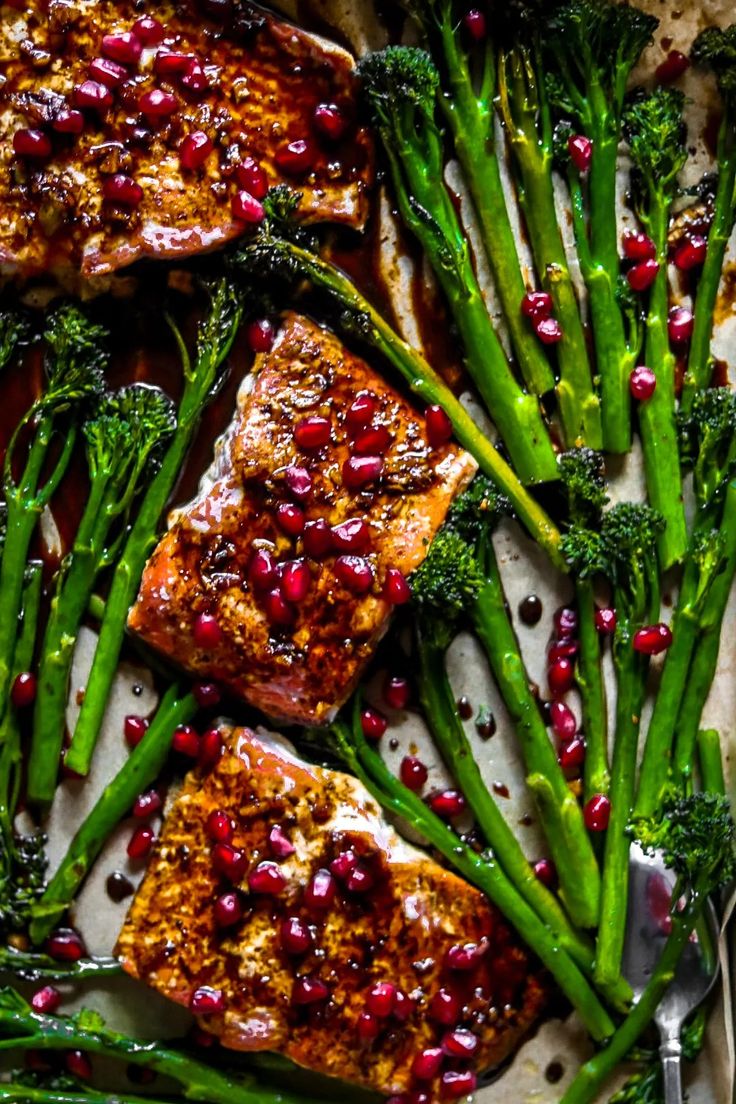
13,330
655,130
711,429
478,509
398,81
697,836
447,581
715,49
583,475
77,353
630,531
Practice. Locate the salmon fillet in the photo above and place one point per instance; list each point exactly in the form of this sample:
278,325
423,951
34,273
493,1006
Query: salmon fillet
248,85
394,917
299,667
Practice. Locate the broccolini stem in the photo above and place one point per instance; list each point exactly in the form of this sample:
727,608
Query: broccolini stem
41,967
592,694
27,1094
140,769
482,871
571,849
710,761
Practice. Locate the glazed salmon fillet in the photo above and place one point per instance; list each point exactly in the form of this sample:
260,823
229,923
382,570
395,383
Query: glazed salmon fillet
278,580
133,130
281,907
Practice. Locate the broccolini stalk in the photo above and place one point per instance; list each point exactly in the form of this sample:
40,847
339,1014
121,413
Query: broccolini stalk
13,330
13,1093
526,115
715,49
710,761
656,134
628,556
698,839
21,1027
581,471
141,768
216,335
401,83
469,113
590,49
123,440
74,360
273,251
481,870
40,967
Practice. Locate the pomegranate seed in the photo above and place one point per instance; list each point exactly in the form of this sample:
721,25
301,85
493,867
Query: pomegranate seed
228,862
47,999
597,813
413,772
313,432
296,579
194,150
680,325
220,827
206,1001
361,410
546,871
158,104
93,95
141,842
373,723
296,938
445,1007
673,66
361,880
33,144
344,864
653,639
536,305
563,649
381,999
368,1026
373,441
171,63
317,538
329,121
298,480
68,121
252,176
355,573
642,275
65,945
185,741
475,24
195,79
565,622
396,692
460,1043
308,990
107,72
199,1037
228,910
206,694
247,208
447,804
210,748
78,1064
561,677
320,891
639,247
359,471
23,692
427,1063
403,1007
457,1083
438,426
572,755
146,804
580,149
206,631
563,720
605,621
290,519
466,956
279,843
296,158
148,30
122,190
692,253
396,589
135,729
549,331
278,610
353,535
642,383
262,571
125,47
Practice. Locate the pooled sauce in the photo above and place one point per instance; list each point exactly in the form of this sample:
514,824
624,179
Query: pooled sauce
530,609
554,1072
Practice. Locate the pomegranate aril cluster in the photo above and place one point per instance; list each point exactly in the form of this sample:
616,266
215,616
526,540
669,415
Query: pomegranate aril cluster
537,307
561,679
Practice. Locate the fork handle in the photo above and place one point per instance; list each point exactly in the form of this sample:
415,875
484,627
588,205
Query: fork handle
671,1054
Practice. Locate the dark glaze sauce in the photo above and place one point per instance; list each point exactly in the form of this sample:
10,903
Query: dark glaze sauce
530,609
